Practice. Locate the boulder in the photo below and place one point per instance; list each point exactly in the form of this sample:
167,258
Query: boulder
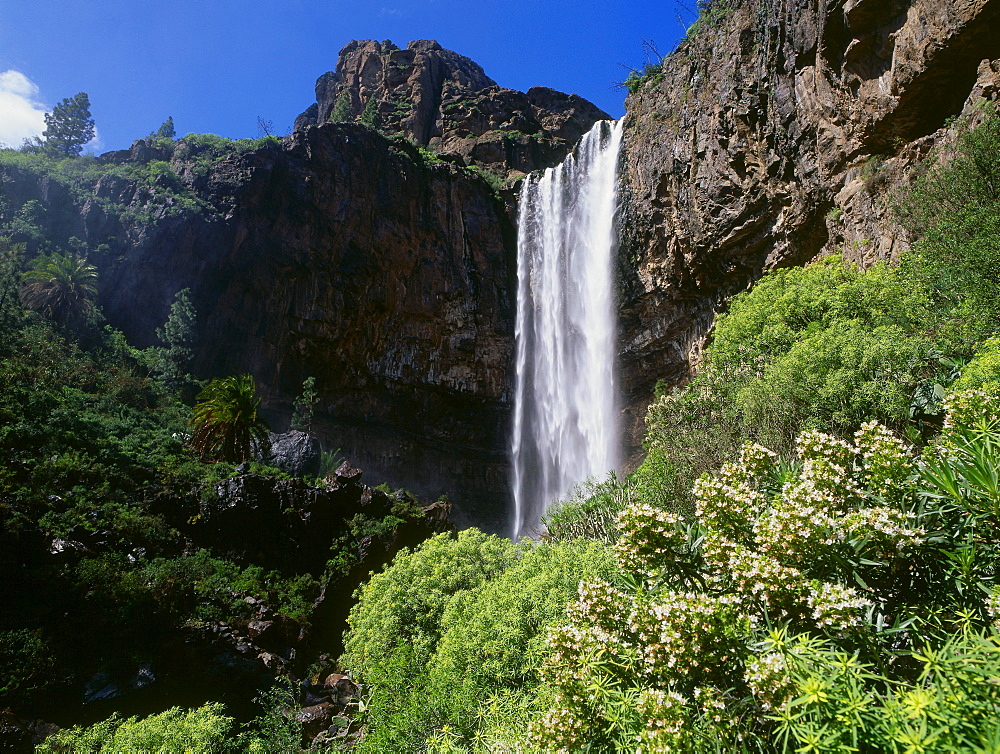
295,452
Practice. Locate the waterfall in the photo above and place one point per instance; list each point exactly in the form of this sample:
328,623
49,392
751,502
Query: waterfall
565,404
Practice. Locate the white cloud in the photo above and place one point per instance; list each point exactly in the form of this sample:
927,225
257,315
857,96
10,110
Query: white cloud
21,114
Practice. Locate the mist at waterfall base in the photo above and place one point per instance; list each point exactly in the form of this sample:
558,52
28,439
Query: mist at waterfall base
565,404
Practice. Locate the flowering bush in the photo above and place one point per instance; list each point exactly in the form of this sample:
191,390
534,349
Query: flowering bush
798,597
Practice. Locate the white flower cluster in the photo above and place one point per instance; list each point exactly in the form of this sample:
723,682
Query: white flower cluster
835,606
768,677
771,552
650,540
766,555
969,408
993,607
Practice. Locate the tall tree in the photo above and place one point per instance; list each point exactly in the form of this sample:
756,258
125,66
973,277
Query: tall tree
305,405
167,130
63,287
69,126
226,424
178,337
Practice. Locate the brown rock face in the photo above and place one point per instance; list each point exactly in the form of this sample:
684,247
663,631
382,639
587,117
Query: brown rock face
445,101
776,134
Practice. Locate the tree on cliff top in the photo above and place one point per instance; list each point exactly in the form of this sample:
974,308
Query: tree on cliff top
69,126
167,130
226,424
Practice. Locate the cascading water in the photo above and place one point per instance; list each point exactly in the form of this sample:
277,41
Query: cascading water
565,404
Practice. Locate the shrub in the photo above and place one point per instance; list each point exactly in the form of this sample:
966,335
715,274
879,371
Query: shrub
202,730
449,637
402,606
983,370
954,207
831,605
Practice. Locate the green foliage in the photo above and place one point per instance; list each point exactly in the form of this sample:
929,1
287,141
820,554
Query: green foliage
591,512
69,126
202,729
824,346
214,589
448,638
329,462
166,129
305,405
342,110
225,420
276,730
11,255
495,181
178,337
651,73
26,664
403,606
842,604
983,370
371,116
954,207
60,286
159,191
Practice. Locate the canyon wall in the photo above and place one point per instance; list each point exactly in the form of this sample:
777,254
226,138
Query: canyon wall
779,131
382,262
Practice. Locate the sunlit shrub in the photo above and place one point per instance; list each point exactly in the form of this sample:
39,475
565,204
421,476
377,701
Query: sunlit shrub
202,730
726,632
448,639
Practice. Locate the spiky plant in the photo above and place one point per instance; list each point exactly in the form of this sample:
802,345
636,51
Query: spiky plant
226,424
62,287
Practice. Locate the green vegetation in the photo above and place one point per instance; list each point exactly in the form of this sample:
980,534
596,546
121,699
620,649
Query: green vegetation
807,560
342,111
449,637
790,573
225,420
305,405
106,562
844,604
370,116
60,286
69,126
178,334
166,129
198,730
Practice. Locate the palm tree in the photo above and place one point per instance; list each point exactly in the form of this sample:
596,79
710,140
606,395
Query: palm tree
60,286
226,424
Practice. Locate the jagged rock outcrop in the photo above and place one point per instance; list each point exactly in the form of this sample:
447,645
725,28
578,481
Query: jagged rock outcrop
446,102
776,133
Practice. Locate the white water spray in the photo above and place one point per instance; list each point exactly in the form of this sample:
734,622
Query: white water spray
565,404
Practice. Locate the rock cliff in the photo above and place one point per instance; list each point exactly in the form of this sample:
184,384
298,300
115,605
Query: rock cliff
378,260
777,132
445,101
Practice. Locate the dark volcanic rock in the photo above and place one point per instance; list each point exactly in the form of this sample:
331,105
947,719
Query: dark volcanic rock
763,123
443,100
335,254
295,452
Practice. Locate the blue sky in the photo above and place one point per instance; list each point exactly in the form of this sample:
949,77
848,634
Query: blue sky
216,65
